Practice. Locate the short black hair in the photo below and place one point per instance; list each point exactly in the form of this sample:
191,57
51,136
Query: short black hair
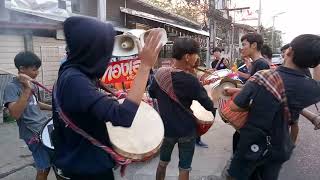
285,47
266,51
253,38
183,46
27,59
216,49
306,50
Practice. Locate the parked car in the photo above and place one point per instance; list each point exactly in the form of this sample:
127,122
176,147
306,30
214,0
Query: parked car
277,59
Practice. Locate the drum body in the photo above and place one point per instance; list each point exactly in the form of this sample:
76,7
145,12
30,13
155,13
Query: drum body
235,119
205,119
215,76
143,139
45,134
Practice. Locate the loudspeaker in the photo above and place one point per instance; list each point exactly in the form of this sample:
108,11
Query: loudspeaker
125,45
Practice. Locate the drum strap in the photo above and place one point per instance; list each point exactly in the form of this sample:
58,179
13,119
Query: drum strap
164,80
123,162
272,81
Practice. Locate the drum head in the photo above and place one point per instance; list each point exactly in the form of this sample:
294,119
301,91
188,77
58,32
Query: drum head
143,138
45,136
223,73
217,92
201,113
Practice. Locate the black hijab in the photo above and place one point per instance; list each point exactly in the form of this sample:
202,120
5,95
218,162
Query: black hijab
90,44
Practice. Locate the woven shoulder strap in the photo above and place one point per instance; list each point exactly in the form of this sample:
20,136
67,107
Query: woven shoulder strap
70,124
272,81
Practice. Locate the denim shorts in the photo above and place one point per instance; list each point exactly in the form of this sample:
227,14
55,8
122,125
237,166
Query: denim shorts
42,156
186,146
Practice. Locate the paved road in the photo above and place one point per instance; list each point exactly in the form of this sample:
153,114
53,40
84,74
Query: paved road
304,164
305,161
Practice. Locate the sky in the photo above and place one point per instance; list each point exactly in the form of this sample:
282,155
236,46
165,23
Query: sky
300,17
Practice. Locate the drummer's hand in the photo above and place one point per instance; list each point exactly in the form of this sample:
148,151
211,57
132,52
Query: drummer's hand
231,91
149,53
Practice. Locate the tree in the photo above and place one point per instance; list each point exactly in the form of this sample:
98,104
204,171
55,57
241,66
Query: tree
196,10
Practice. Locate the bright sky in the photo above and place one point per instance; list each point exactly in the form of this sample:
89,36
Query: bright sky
300,17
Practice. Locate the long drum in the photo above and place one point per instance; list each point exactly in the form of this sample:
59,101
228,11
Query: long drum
143,139
205,118
235,119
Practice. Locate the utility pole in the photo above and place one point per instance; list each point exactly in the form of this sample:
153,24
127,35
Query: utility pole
102,10
233,24
273,28
272,32
212,29
259,17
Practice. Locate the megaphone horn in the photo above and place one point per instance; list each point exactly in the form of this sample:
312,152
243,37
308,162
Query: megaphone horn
125,45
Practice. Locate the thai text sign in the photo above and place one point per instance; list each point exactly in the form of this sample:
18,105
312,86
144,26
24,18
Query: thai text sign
121,71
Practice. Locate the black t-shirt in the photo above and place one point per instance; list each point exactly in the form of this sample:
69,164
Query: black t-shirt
176,121
220,66
266,112
259,64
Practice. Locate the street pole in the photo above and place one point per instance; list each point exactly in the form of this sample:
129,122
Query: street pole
259,16
272,32
232,36
273,28
102,10
212,27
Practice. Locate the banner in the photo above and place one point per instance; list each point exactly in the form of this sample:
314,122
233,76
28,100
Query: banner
121,70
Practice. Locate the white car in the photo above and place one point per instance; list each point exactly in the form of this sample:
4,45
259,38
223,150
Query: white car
277,59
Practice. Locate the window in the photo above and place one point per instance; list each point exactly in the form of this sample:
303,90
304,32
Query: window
75,5
62,4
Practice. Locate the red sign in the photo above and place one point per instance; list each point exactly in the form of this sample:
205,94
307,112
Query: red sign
121,71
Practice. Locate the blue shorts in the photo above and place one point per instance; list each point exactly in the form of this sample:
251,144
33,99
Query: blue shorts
186,146
42,156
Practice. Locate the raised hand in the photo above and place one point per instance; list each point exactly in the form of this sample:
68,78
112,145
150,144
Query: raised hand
25,81
150,52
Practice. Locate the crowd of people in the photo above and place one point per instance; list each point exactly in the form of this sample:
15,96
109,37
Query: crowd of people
260,147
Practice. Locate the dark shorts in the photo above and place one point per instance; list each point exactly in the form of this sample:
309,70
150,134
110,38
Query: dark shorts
42,156
186,146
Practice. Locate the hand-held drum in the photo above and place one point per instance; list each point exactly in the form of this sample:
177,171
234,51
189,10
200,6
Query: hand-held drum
143,139
45,134
205,118
236,119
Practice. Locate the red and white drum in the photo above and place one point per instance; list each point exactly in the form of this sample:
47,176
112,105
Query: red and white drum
143,139
205,118
235,119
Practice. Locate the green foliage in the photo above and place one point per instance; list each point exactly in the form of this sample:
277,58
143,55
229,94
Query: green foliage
195,10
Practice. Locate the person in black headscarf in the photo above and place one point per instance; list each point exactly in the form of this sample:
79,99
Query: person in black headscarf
90,44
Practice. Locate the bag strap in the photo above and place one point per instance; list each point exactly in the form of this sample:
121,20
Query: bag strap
163,78
272,81
123,162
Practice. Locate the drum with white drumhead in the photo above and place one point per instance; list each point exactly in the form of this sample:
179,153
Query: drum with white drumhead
45,134
143,139
205,118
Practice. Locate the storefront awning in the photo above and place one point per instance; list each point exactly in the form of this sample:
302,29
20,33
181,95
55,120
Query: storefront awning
161,20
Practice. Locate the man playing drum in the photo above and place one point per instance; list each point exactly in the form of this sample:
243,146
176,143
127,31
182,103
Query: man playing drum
90,44
251,47
180,127
265,143
20,99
